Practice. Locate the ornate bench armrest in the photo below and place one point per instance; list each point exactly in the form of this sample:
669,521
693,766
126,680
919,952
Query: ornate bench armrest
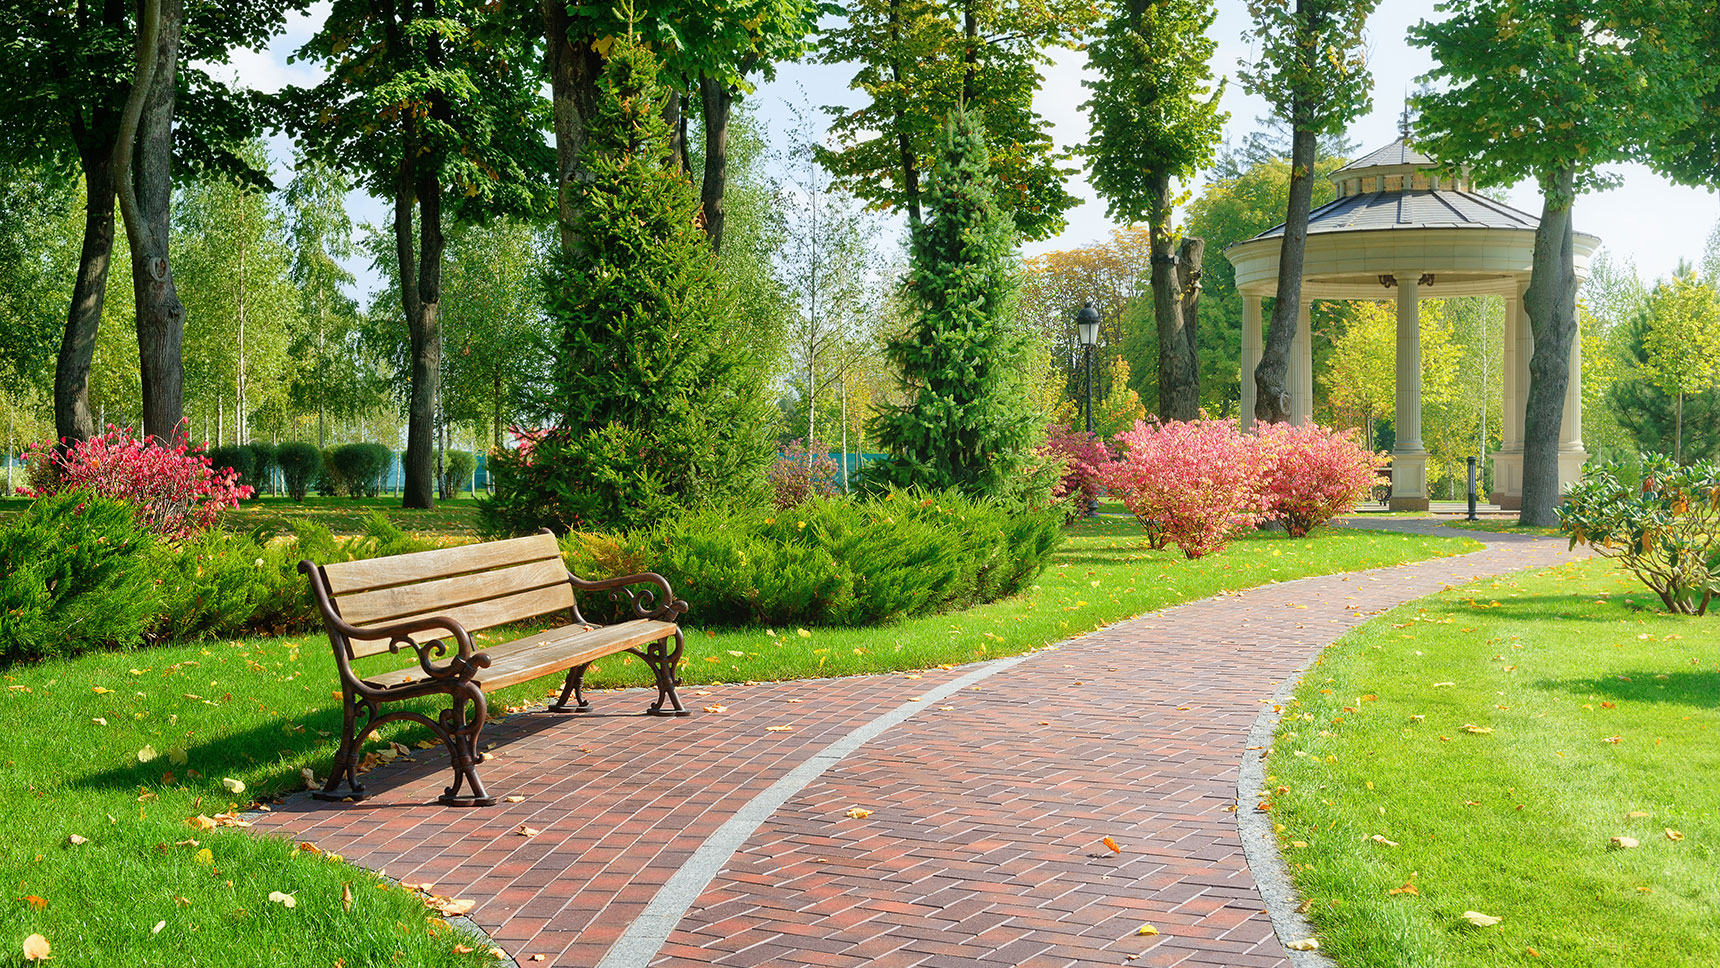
652,598
465,663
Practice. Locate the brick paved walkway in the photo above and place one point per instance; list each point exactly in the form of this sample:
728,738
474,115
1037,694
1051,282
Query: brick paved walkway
983,847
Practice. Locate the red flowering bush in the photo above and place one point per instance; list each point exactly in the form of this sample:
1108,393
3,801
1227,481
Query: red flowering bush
1084,457
801,472
1315,474
1196,483
173,491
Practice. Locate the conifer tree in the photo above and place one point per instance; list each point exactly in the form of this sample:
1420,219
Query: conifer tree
963,361
657,402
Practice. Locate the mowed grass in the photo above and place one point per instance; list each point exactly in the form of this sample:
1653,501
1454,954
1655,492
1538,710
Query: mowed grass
1500,735
260,710
1503,526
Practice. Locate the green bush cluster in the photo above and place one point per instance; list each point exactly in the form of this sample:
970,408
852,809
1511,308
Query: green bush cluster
253,462
300,463
457,469
87,576
832,561
355,470
1661,520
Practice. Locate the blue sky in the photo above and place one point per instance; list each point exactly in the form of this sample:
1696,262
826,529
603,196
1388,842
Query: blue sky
1647,220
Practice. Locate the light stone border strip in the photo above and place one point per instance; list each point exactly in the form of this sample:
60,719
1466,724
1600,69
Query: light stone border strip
639,944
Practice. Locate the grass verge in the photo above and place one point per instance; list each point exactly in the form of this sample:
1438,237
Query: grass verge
122,748
341,515
1484,746
1504,526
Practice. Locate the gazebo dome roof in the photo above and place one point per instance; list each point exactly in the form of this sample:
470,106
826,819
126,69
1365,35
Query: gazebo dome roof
1397,211
1398,187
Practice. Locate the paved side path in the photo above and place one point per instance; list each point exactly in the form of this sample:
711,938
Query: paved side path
988,806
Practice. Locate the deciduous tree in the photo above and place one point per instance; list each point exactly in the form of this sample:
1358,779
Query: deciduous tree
1312,69
433,105
1553,90
1155,122
1682,344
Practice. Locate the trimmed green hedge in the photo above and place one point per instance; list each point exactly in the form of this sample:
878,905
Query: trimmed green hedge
832,561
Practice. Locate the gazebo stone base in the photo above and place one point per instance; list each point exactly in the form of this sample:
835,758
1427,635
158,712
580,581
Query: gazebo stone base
1508,475
1409,480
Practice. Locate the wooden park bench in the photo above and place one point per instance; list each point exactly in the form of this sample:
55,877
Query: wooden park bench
431,602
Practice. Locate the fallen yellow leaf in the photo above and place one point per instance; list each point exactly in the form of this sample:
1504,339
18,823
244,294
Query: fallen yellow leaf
1108,842
36,948
1625,843
1306,944
204,856
716,709
857,813
526,831
1481,920
1147,929
75,840
1673,834
36,903
513,799
233,786
778,729
158,926
1406,889
346,897
146,754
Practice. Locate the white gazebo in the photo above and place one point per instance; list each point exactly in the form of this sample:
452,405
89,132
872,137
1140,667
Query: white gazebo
1401,229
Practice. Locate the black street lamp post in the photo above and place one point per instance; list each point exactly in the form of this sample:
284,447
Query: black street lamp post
1087,333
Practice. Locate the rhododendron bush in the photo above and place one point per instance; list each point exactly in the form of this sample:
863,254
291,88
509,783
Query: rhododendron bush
173,491
1084,459
1315,474
1195,483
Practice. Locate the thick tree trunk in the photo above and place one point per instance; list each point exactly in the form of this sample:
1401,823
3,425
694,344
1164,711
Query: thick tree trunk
1551,302
573,72
718,103
1178,398
904,144
160,314
72,417
1190,256
1271,377
674,121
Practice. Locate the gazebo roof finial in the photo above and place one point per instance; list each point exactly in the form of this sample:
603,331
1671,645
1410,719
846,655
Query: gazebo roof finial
1404,119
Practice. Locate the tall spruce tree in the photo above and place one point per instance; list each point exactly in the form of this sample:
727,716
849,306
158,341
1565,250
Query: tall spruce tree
969,422
657,399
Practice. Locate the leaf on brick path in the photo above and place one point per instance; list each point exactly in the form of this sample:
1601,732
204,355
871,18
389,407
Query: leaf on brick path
702,692
1624,843
447,906
1306,944
1381,839
1108,842
158,926
526,831
716,709
538,958
857,813
36,948
1673,834
779,729
233,786
36,903
146,754
1481,920
1147,929
1406,889
516,798
1472,728
75,840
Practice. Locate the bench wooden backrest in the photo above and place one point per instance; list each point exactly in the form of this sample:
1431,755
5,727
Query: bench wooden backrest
479,586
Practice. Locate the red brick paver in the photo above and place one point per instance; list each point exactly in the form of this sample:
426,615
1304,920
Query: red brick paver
984,845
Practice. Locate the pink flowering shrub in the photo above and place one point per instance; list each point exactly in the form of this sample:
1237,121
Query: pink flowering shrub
173,491
1196,483
1315,474
1084,457
801,472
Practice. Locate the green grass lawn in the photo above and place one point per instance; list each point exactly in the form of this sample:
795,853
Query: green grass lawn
121,748
1485,746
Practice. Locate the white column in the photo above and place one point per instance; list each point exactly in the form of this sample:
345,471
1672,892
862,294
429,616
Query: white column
1302,368
1572,456
1409,456
1253,345
1519,348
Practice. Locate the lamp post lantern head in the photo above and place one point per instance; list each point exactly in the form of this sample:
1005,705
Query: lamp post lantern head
1087,325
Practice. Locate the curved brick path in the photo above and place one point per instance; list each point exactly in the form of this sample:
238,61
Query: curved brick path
988,806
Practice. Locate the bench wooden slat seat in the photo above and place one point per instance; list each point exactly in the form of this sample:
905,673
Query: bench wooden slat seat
429,603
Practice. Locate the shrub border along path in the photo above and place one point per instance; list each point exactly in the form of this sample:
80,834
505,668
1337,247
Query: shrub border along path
991,790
